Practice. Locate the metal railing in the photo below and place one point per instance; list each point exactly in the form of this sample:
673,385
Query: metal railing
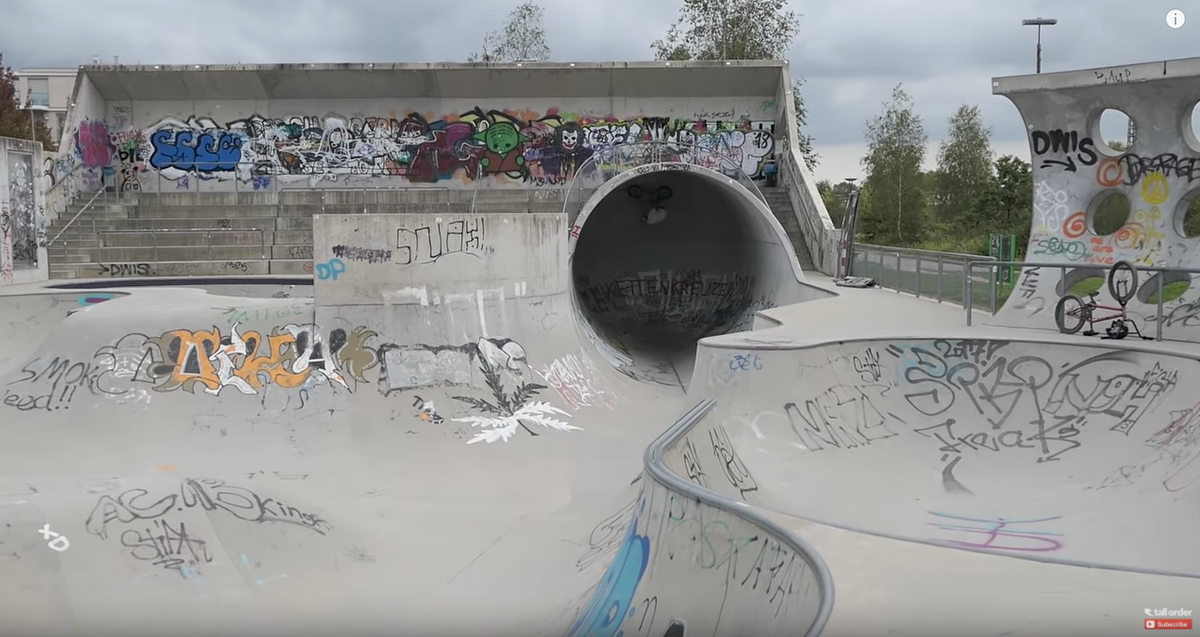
820,234
377,207
208,232
927,273
1094,271
606,163
76,216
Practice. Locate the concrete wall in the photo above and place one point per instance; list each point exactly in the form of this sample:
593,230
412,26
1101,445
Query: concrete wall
430,259
22,213
1073,170
815,225
81,149
255,128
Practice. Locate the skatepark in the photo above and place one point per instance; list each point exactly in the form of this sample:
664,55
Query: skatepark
440,349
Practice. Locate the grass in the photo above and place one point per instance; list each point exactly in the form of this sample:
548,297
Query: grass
1171,291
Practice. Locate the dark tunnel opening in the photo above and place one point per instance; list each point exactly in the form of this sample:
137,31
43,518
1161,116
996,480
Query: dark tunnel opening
667,257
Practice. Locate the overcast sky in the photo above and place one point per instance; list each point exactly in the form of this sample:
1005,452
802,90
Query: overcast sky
851,52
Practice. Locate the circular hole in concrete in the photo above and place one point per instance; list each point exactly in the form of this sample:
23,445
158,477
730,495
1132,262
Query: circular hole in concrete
1187,216
1116,129
1174,284
1109,211
1191,127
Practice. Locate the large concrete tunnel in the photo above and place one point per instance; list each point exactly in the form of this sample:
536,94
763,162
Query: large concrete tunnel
670,253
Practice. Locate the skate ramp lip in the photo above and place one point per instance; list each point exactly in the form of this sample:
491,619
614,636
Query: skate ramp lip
1017,447
660,472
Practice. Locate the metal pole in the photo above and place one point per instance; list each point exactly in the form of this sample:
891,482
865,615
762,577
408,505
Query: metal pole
208,237
918,275
898,278
939,279
968,293
1039,49
1159,322
993,283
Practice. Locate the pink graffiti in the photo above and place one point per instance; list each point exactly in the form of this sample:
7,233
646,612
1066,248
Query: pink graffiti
93,144
993,530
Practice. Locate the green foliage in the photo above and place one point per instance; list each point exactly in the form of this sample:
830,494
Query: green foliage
896,143
965,168
729,30
14,120
835,196
1191,219
1111,213
522,38
739,30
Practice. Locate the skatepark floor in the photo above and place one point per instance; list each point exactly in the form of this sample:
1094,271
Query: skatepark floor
419,530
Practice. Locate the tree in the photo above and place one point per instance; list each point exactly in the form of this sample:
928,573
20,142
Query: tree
896,145
1006,205
522,38
14,117
964,168
835,197
739,30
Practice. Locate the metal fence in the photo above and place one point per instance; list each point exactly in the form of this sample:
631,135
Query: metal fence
926,273
1158,278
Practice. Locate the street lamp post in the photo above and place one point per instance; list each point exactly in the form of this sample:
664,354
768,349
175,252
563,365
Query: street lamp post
33,110
1039,23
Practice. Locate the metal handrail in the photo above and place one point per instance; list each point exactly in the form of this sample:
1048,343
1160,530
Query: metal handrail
962,255
154,232
967,280
75,217
655,466
60,181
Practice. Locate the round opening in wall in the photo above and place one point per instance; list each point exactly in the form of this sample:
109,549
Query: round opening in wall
1187,217
1109,212
1191,127
1174,285
1116,130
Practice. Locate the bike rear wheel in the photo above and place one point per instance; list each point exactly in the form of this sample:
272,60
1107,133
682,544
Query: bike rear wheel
1122,281
1071,313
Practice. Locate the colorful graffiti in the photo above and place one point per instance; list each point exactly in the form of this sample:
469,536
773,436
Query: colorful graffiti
298,359
612,599
543,149
292,356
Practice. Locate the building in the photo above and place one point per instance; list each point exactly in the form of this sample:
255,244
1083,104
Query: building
49,89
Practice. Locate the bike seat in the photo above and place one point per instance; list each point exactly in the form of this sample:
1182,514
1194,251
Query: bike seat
1093,295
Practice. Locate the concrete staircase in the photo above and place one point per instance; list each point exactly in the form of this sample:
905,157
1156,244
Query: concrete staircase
777,199
223,233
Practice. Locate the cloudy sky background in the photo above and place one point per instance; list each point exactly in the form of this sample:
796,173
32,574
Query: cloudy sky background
851,52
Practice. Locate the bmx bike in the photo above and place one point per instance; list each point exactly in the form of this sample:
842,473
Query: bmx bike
1072,312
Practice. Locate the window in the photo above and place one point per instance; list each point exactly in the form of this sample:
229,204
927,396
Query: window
39,91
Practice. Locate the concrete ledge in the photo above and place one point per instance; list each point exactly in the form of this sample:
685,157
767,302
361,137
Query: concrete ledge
1098,77
392,81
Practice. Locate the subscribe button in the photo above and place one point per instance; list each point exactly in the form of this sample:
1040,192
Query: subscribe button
1168,624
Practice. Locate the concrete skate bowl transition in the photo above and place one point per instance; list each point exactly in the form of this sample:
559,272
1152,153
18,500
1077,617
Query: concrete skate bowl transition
670,244
26,320
1083,455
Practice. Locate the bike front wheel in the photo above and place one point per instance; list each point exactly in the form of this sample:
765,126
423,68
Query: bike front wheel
1122,281
1071,313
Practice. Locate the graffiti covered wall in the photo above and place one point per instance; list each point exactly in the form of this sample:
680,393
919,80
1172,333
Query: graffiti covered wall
321,147
1076,173
22,213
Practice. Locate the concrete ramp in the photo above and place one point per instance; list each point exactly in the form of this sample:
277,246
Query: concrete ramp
1020,448
433,434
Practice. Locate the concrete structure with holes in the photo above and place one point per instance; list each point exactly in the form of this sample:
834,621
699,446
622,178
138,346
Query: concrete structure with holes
1075,173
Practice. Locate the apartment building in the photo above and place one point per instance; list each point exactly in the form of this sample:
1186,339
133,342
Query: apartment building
49,92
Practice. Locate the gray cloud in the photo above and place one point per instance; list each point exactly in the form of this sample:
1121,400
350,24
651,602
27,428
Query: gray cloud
851,52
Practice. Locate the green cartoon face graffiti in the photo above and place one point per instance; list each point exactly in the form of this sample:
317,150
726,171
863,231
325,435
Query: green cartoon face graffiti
501,138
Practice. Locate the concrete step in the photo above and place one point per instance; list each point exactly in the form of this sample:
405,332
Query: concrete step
149,254
193,198
264,223
143,270
221,212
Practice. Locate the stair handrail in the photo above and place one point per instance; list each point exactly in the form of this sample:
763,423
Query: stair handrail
81,211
